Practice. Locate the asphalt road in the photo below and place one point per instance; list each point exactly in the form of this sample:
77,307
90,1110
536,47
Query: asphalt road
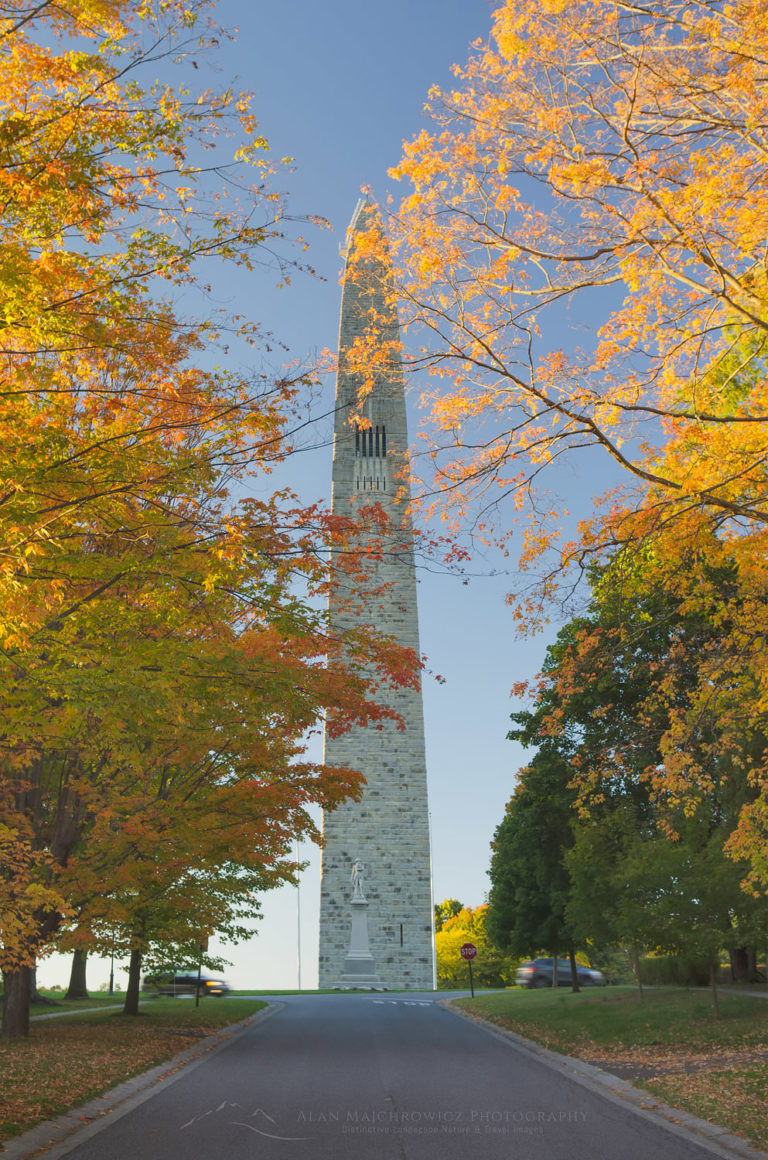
373,1076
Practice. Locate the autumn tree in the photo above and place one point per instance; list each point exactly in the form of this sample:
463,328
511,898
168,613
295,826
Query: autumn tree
213,789
112,205
679,626
647,862
446,909
608,157
163,656
581,264
170,755
491,967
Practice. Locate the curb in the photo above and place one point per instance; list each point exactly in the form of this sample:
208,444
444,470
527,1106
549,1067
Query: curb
55,1138
720,1141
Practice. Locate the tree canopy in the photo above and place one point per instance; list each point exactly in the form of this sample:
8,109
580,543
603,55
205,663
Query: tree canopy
649,852
608,157
163,650
580,265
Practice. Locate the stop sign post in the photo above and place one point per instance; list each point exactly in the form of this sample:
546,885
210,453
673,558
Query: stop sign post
468,952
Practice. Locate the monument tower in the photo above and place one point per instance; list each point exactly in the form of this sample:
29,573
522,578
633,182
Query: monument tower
385,836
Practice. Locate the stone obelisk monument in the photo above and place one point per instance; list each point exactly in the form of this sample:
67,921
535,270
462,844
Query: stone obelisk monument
388,831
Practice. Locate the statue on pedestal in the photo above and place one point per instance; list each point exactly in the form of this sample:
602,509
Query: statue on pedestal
358,870
360,972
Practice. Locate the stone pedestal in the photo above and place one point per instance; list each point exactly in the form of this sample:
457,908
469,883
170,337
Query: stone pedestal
359,966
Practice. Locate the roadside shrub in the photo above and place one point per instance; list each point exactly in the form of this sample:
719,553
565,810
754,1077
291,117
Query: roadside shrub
674,970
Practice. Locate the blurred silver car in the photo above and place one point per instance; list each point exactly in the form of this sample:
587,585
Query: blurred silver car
184,983
539,972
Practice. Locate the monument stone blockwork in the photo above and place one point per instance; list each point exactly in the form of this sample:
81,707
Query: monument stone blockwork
388,830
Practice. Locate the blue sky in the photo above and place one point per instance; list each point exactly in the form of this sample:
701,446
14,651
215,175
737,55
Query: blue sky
338,86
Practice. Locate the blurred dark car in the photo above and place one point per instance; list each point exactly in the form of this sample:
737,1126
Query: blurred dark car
539,972
184,983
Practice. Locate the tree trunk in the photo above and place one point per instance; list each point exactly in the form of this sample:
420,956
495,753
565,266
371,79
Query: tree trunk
636,966
739,957
34,994
15,1003
77,987
574,969
713,967
132,992
554,969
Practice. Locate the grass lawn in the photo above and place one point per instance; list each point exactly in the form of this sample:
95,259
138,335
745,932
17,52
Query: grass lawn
67,1061
669,1044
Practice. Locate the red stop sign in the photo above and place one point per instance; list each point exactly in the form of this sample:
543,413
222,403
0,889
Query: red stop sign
468,951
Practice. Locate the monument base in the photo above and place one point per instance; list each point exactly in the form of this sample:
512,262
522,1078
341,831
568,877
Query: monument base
359,967
349,983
